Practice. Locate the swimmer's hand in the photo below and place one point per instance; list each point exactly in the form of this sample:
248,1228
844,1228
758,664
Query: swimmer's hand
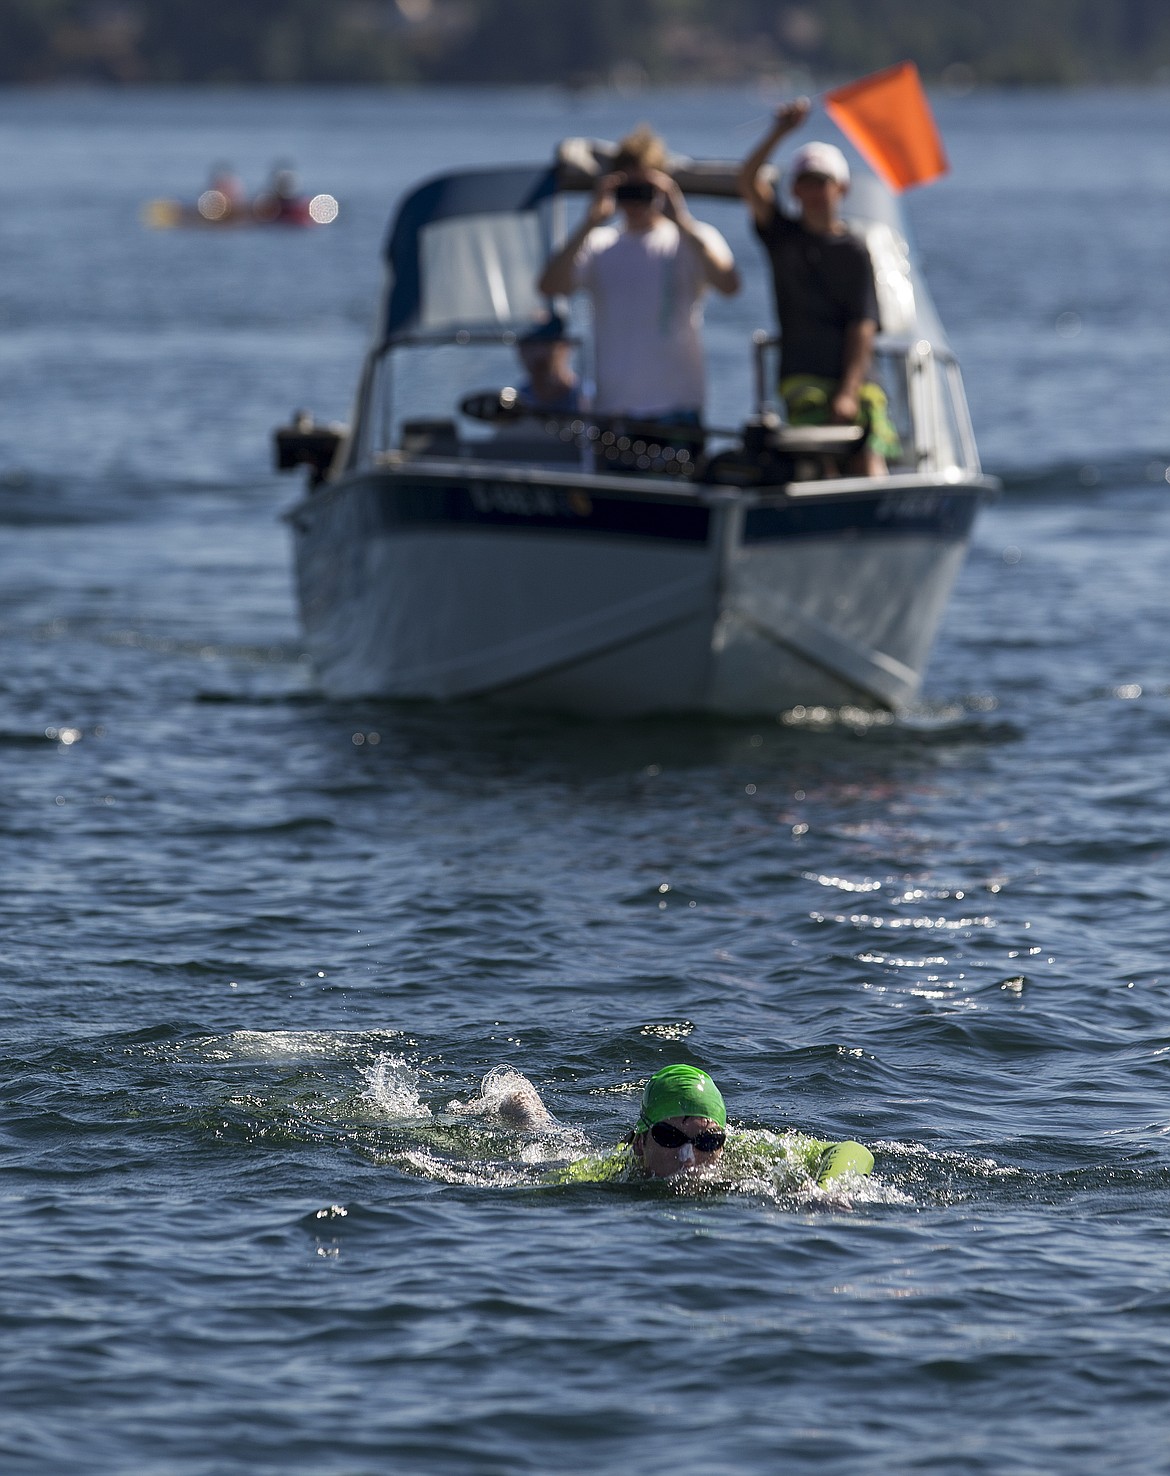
510,1096
523,1109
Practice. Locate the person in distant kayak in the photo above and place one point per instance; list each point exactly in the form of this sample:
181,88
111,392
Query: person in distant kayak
682,1129
826,298
227,185
646,279
282,202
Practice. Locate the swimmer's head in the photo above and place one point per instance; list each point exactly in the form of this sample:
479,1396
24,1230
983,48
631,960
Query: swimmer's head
680,1091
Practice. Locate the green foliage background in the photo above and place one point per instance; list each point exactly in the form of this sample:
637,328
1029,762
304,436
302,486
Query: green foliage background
579,42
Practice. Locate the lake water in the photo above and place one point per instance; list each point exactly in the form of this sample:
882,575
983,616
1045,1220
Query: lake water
254,944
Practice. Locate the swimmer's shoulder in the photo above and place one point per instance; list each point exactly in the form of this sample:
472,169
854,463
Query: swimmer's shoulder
817,1158
596,1168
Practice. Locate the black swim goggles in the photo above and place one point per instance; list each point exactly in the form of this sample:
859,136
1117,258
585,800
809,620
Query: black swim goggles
710,1140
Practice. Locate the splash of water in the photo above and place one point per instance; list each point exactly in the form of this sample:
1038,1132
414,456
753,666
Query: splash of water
392,1086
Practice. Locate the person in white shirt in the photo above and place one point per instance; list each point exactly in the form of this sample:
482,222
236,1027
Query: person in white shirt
646,280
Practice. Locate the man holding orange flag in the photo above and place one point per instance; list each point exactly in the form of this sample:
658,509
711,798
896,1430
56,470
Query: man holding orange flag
826,300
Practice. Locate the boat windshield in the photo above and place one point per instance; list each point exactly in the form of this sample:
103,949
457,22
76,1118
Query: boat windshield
443,397
465,253
480,269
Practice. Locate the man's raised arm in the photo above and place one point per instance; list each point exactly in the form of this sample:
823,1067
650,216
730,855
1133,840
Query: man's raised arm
754,185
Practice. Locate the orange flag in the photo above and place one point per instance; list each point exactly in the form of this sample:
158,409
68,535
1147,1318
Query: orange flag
887,118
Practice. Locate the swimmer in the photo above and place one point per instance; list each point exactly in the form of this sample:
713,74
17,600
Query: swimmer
681,1129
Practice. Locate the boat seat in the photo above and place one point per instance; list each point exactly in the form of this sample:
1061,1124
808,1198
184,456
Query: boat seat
817,451
819,440
773,453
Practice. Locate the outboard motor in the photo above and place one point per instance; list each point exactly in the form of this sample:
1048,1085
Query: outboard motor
305,443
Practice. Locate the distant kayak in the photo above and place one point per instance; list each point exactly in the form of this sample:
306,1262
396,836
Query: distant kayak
216,209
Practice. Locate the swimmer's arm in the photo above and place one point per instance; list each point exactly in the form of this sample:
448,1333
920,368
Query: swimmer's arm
820,1160
594,1169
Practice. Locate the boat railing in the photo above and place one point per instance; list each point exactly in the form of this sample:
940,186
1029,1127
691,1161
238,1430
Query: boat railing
376,431
921,381
439,337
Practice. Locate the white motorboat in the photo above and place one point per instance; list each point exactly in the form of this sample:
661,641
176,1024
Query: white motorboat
450,546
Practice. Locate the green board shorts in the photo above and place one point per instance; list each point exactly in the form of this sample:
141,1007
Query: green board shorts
807,398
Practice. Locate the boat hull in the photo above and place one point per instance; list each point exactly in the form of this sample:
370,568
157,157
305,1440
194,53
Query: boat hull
614,596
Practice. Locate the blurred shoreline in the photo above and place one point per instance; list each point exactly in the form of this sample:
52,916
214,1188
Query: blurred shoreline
597,44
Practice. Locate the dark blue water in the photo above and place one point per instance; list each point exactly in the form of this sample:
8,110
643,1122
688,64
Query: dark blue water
255,944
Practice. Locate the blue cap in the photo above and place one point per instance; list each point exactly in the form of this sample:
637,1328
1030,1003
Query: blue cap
552,330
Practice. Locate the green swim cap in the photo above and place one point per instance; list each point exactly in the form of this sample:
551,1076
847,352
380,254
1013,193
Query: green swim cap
680,1091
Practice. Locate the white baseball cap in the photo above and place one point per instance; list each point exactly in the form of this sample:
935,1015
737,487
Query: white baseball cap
820,158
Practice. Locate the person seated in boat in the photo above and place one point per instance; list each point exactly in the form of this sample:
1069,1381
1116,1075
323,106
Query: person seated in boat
681,1128
826,298
282,202
646,264
232,200
546,353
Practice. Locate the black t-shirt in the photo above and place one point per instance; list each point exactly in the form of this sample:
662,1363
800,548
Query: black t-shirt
823,283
